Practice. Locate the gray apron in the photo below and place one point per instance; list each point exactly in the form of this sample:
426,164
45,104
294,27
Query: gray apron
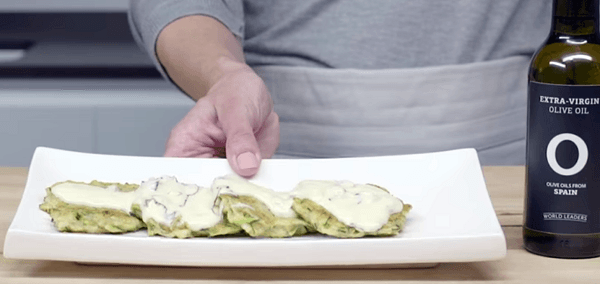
348,112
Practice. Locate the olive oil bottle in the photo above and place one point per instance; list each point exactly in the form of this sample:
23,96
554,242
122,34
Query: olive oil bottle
562,203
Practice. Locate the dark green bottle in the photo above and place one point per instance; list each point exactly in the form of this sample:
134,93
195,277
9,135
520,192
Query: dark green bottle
562,201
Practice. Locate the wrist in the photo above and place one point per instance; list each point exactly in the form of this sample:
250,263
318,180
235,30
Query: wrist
223,67
196,51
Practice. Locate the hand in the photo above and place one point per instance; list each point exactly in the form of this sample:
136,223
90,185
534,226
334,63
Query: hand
235,119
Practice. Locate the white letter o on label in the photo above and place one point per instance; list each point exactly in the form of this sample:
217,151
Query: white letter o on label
581,148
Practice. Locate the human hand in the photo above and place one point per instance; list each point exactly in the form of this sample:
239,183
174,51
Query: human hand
235,119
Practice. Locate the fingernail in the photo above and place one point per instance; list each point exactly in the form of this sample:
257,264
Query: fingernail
247,160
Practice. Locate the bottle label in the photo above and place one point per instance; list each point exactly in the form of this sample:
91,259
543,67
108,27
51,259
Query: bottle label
563,159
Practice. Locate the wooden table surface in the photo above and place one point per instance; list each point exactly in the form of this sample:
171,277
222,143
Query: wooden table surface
505,185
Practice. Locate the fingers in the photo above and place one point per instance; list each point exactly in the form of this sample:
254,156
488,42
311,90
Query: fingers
180,146
243,105
243,152
241,146
268,136
237,115
197,135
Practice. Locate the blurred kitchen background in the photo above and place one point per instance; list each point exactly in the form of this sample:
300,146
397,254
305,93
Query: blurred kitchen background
73,78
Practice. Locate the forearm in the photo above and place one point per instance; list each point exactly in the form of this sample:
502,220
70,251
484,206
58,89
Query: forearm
192,51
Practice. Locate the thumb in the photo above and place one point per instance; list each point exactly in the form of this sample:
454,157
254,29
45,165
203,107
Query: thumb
241,146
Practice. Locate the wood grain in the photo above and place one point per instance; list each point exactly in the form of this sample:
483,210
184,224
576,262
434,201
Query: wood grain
517,266
12,184
505,186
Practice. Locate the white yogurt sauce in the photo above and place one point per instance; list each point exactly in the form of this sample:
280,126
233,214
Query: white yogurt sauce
280,203
94,196
361,206
364,207
165,199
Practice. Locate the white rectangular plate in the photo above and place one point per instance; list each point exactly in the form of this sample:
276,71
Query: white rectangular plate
452,218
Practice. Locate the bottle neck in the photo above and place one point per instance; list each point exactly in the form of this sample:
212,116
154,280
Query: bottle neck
575,18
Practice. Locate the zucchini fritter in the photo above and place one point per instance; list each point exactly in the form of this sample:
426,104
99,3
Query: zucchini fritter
327,224
84,219
255,218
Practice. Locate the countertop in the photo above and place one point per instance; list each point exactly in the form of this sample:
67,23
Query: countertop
506,189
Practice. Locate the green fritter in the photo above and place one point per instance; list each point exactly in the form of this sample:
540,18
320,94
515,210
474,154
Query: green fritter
179,210
255,218
84,219
327,224
179,229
